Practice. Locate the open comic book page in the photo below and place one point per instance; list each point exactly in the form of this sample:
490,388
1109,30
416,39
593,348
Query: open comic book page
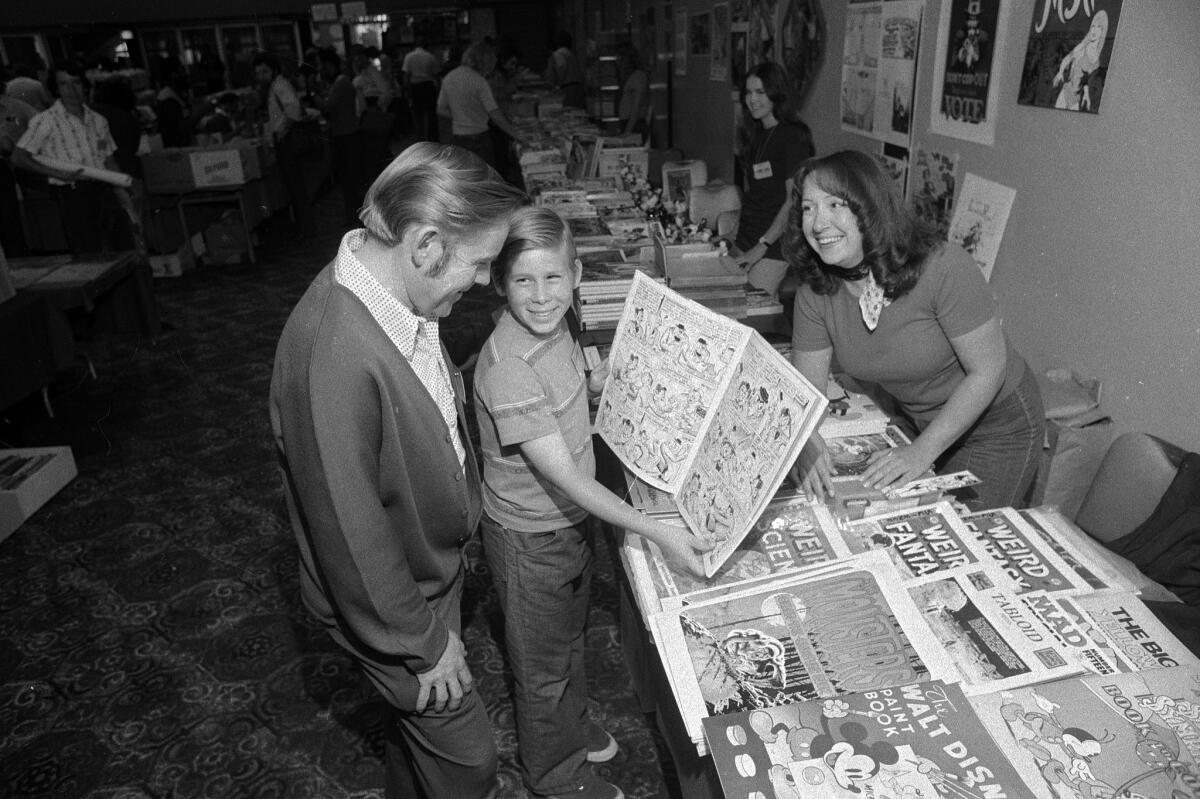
751,442
1028,559
850,628
1131,735
670,361
700,406
920,740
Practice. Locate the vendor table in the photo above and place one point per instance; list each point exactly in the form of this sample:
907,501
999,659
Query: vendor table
108,292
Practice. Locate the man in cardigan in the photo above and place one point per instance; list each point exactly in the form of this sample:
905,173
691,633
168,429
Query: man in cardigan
381,482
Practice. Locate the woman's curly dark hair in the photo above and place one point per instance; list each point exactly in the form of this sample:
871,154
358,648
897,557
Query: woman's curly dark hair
895,240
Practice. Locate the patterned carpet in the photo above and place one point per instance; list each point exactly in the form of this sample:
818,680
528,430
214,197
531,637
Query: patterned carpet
152,643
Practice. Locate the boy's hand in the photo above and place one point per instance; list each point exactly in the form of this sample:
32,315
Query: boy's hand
599,376
683,549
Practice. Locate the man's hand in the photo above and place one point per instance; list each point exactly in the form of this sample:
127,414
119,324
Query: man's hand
448,680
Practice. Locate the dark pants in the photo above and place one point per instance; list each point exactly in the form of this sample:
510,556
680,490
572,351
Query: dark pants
292,170
12,235
347,154
423,98
91,217
543,581
480,144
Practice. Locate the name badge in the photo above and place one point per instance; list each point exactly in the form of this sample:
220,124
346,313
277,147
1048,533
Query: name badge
762,170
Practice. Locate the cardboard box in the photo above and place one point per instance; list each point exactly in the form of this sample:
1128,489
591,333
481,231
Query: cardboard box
28,478
177,170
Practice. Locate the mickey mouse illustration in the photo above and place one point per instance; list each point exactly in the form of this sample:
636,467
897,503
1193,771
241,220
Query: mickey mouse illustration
849,757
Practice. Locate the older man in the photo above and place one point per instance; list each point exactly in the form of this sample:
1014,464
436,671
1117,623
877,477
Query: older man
382,486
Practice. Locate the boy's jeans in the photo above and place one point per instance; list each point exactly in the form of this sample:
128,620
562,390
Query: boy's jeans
543,581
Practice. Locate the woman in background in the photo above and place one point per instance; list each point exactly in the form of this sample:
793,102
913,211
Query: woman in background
771,143
899,307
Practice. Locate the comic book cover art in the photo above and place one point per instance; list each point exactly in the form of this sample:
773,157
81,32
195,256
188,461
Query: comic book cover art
799,638
1134,735
920,542
922,740
1025,556
1068,53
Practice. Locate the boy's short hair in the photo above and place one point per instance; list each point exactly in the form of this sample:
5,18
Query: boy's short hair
440,185
532,228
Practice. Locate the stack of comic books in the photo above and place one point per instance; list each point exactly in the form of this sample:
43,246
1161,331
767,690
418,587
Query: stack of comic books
850,412
997,602
1132,734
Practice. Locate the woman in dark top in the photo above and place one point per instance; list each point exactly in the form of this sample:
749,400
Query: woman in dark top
771,143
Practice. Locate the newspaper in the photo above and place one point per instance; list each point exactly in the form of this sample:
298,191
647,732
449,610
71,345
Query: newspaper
1131,735
851,627
702,407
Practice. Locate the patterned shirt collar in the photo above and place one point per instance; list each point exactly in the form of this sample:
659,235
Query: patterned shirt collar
397,320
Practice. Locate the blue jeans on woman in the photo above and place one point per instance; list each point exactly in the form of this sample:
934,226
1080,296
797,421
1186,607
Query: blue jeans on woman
1003,448
543,581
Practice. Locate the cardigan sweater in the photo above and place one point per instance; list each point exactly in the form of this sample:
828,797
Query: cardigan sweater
379,504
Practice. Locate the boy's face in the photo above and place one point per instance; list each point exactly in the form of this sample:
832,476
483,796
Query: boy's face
538,287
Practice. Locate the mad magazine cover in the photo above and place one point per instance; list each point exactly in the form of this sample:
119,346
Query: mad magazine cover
919,741
702,407
1027,558
919,542
1134,736
849,628
999,639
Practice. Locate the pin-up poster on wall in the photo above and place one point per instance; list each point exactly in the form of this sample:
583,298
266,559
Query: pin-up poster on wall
1066,60
971,40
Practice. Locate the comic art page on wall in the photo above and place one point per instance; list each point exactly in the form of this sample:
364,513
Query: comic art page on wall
1067,55
702,407
971,42
879,61
980,217
790,33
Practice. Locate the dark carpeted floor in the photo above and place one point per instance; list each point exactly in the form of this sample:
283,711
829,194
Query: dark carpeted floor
152,643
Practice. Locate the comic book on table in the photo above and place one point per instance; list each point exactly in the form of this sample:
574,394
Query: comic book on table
790,535
831,629
702,407
917,740
1028,558
1133,735
849,455
851,412
1080,551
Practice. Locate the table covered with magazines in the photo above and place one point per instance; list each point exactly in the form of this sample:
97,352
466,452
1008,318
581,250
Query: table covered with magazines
885,644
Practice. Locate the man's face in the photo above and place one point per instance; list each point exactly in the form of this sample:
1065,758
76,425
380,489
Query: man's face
70,87
263,74
467,262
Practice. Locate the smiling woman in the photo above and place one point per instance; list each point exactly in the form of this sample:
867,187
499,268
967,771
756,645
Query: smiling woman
899,307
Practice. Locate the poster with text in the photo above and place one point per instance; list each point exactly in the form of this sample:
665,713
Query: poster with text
1066,59
718,64
879,58
970,46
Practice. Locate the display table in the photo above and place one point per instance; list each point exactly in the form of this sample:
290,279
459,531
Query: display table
110,292
35,344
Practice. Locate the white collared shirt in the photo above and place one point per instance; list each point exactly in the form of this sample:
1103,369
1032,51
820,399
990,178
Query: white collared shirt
415,337
57,133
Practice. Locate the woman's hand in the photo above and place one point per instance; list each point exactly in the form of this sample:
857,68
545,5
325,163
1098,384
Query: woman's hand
683,549
813,470
897,466
748,259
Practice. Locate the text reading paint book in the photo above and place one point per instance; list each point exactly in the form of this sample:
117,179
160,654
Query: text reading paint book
1131,735
919,740
702,407
850,628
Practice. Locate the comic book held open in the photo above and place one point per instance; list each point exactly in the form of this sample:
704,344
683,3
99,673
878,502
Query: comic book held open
702,407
